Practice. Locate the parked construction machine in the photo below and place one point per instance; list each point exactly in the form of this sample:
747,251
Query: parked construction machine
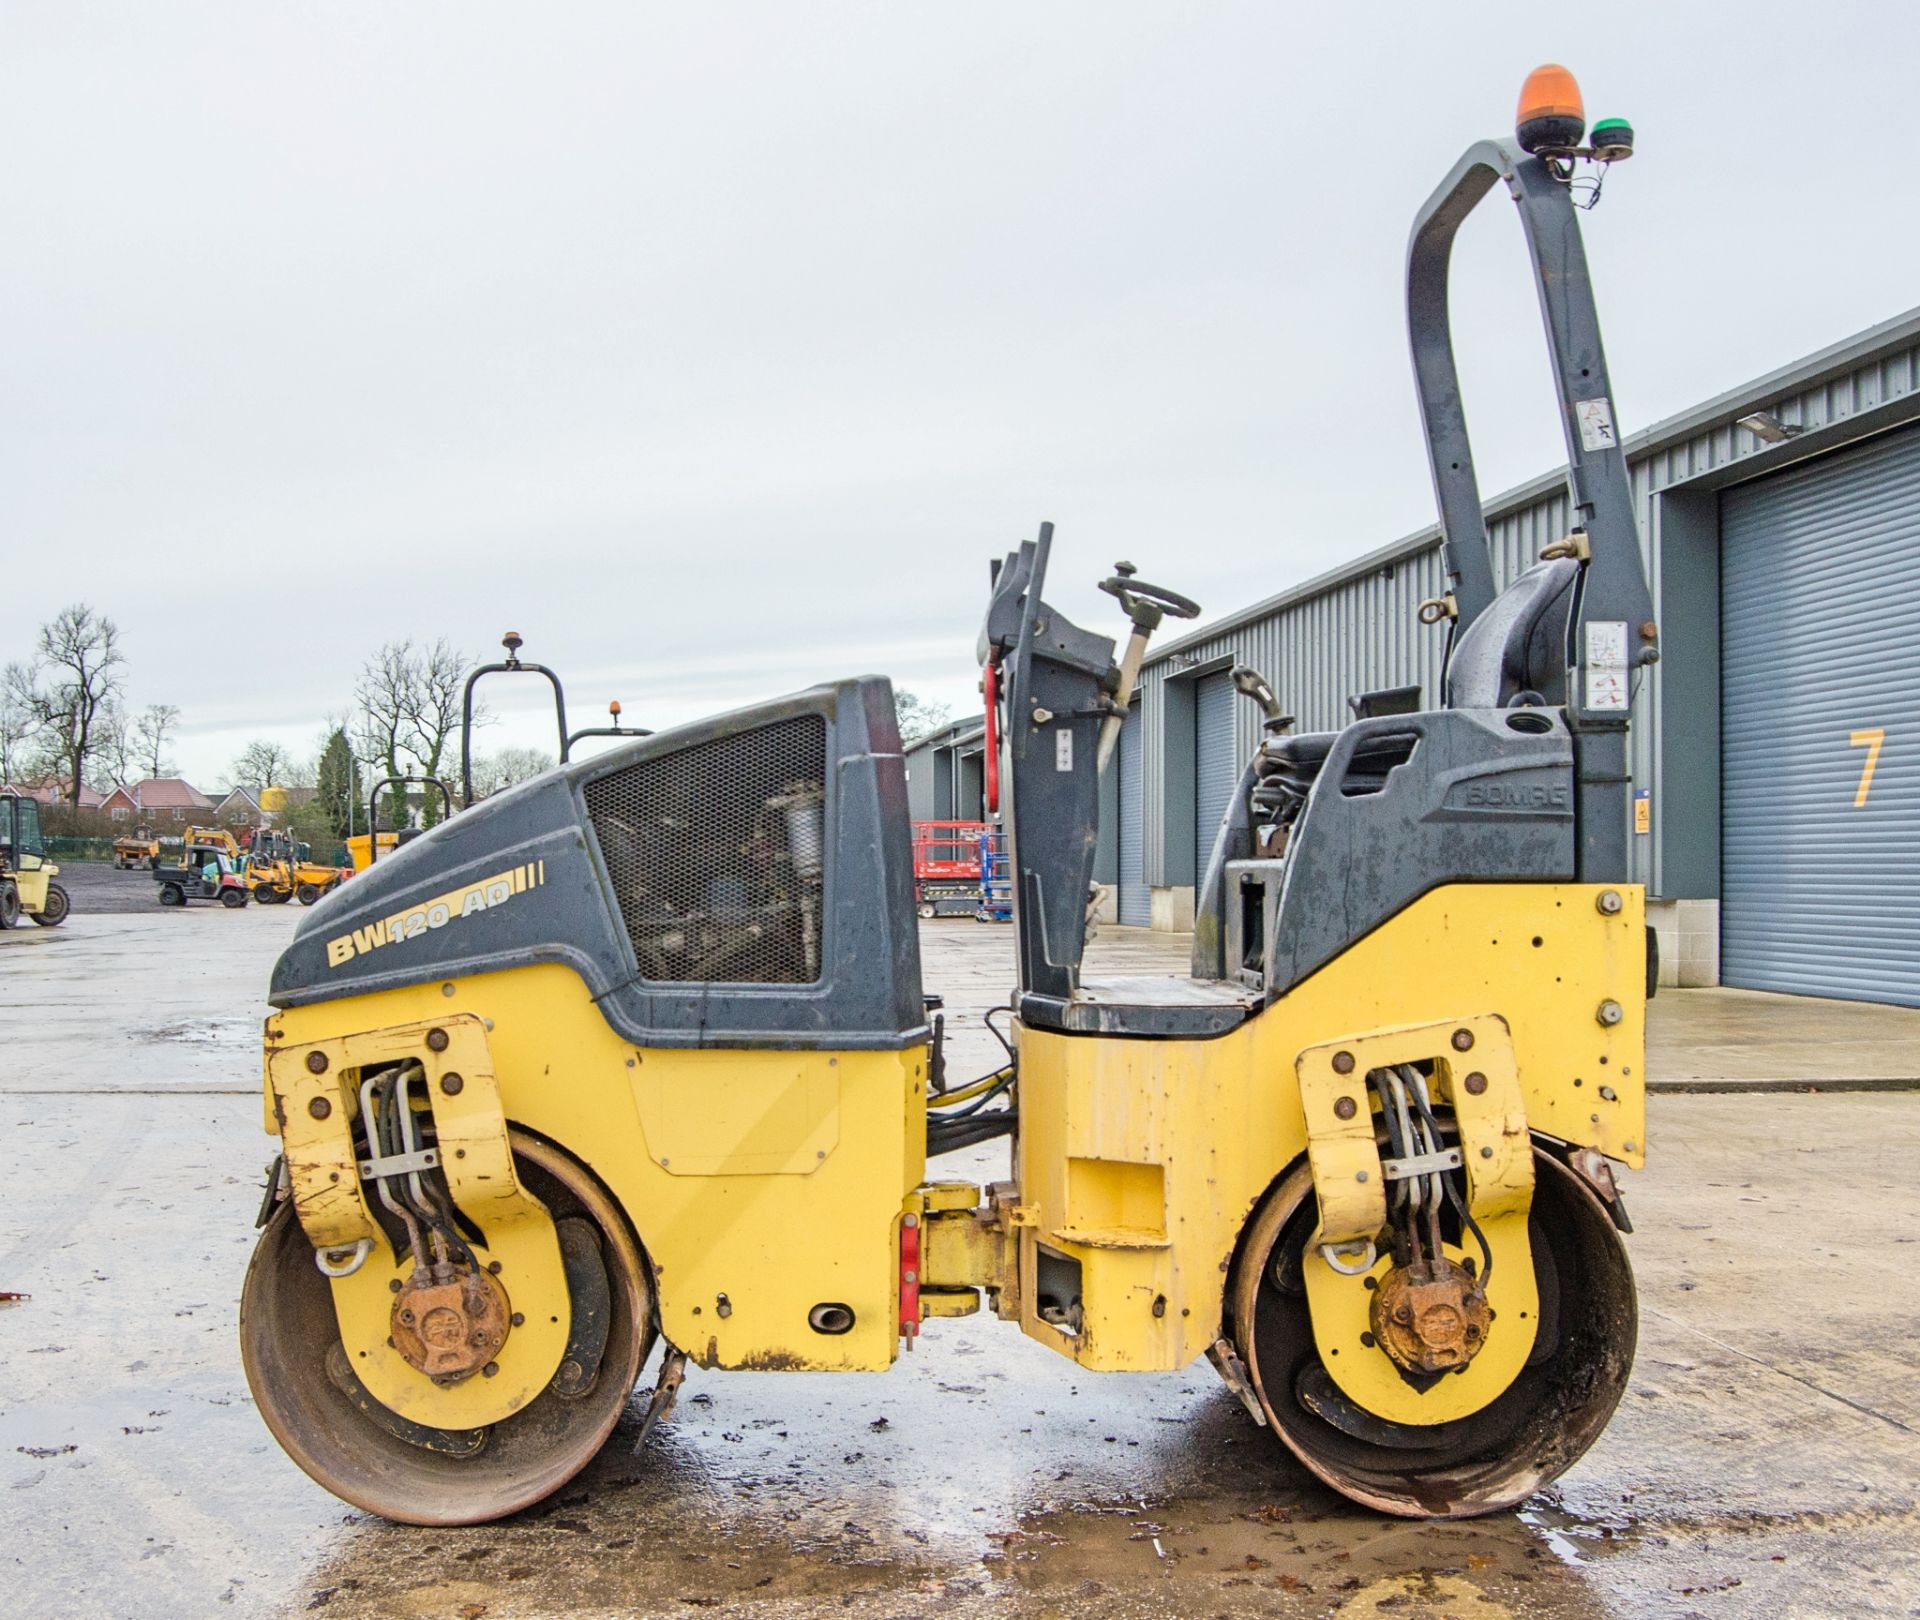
211,868
638,1051
280,868
135,849
27,886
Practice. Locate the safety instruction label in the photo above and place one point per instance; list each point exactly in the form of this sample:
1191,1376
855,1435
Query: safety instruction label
1595,417
1606,664
1063,749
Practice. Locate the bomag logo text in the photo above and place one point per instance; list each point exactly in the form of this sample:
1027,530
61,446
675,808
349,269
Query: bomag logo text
436,913
1517,795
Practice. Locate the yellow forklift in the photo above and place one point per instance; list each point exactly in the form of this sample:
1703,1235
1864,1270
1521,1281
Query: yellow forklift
27,887
638,1050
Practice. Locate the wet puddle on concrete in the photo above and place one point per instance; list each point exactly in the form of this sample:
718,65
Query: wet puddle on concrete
762,1496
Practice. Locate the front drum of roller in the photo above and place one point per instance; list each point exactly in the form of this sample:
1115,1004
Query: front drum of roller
363,1453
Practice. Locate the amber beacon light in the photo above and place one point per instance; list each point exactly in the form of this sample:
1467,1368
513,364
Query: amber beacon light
1552,117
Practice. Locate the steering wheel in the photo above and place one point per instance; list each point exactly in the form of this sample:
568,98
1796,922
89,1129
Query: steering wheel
1129,590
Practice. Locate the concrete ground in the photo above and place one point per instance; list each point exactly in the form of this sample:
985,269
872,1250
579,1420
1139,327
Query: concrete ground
1763,1462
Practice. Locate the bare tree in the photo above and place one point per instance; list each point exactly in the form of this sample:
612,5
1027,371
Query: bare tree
157,723
919,717
74,677
262,763
18,727
409,701
384,697
114,749
493,772
433,714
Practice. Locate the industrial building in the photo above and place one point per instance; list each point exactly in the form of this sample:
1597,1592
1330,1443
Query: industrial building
1776,745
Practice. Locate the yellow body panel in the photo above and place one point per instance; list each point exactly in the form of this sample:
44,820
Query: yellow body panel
1217,1121
786,1193
30,882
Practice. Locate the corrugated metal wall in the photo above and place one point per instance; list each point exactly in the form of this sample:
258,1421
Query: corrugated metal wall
1216,761
1356,630
920,784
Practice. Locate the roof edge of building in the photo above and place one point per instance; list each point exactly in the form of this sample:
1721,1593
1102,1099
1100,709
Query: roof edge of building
951,734
1821,366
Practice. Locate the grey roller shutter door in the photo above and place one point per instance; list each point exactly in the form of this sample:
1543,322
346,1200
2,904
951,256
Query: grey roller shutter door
1820,673
1215,761
1136,900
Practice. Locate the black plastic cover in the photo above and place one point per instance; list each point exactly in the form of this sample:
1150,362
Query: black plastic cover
524,877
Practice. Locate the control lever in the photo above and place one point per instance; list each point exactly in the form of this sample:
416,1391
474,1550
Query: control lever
1146,605
1249,682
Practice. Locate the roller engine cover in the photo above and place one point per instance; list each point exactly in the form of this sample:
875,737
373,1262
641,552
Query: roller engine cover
742,881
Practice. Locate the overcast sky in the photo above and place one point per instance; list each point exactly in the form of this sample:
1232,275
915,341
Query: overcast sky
715,347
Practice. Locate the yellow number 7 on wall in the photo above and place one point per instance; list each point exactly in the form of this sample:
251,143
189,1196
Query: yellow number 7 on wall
1871,741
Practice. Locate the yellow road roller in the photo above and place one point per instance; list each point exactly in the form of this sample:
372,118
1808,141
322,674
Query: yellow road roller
638,1050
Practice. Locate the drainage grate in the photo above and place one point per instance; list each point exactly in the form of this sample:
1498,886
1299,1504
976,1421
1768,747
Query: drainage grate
717,854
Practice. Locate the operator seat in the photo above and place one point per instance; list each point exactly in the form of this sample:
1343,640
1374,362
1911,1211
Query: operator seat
1515,651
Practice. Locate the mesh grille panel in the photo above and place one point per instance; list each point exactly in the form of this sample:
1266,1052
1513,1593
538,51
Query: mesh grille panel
717,855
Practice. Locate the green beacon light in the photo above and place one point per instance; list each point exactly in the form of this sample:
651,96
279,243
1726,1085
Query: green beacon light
1611,140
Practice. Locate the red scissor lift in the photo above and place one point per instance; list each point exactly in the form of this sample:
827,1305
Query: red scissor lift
946,867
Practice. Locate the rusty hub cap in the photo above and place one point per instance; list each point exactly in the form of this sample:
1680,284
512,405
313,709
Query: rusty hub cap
449,1330
1431,1317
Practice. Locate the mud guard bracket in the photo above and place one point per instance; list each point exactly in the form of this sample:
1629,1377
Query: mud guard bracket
1475,1072
313,1090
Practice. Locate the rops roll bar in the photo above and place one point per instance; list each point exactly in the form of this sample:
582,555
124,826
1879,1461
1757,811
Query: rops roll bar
373,805
1610,629
512,666
1614,586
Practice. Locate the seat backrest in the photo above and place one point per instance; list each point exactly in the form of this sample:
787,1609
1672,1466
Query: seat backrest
1519,644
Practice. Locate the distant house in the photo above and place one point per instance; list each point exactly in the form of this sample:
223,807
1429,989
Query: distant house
48,791
158,799
240,808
